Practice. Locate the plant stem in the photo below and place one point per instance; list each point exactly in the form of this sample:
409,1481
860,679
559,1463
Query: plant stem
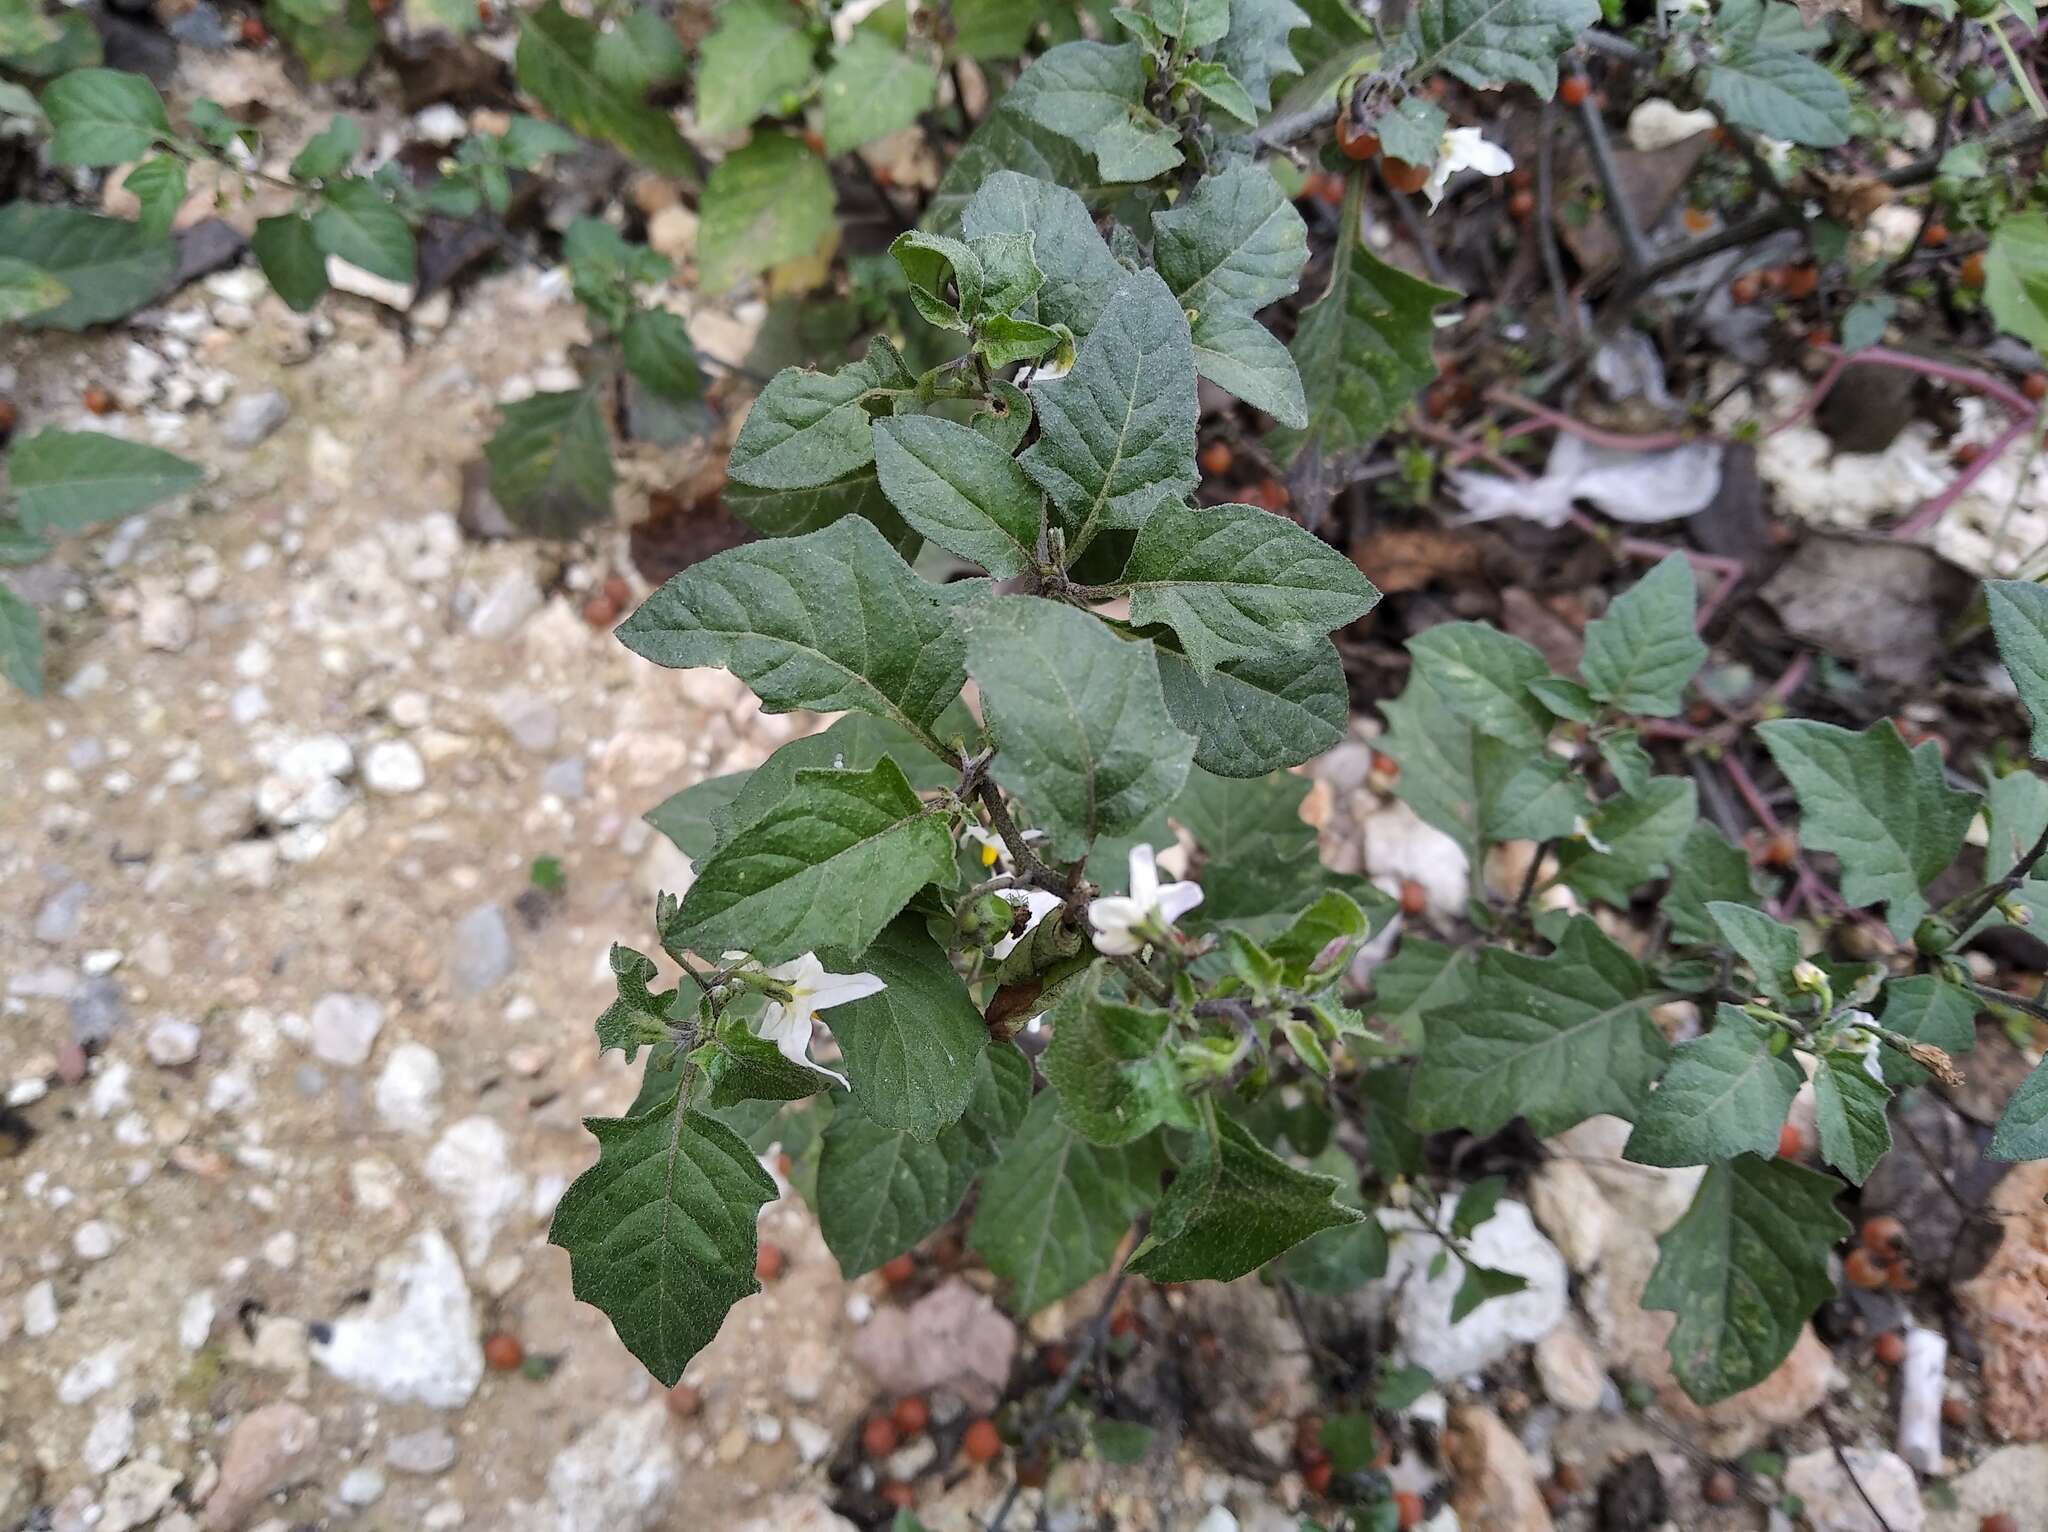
1029,867
2020,77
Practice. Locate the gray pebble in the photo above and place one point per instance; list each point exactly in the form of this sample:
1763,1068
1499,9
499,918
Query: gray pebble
252,417
98,1009
61,915
482,953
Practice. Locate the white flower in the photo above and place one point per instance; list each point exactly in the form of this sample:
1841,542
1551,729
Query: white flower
1039,902
1124,923
788,1023
994,853
1464,149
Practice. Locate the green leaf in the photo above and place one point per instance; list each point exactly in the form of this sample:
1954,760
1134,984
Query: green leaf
329,152
1555,1040
807,429
767,203
551,463
661,1230
1641,655
1197,23
102,117
1483,675
759,50
158,186
1215,84
1849,1105
1083,733
658,352
873,89
1769,88
26,290
881,1191
1476,1204
689,818
1010,274
1422,976
1008,140
1492,43
960,490
2022,1132
1743,1269
1641,831
2019,619
1122,1442
993,29
1364,350
637,1010
742,1067
1092,94
1708,869
829,867
1412,131
1115,1083
1054,1207
1116,435
1261,713
828,621
1481,1283
21,643
66,481
1320,941
37,44
355,222
1232,246
1236,582
1352,1442
1888,813
1770,949
1080,273
291,259
18,545
333,44
1929,1009
110,266
1234,1206
910,1050
1256,48
2016,292
558,64
1724,1094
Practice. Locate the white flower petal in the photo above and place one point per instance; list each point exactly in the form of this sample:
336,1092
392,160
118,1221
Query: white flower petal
1114,912
1176,899
1144,876
838,988
1118,943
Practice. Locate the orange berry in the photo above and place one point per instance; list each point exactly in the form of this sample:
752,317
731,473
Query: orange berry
2035,386
1865,1270
1973,269
1746,288
769,1263
1031,1472
784,1165
899,1269
1889,1348
1386,771
1902,1279
1884,1235
1820,335
1123,1322
684,1401
1698,220
1790,1144
1521,179
254,32
1407,1509
814,141
1354,142
98,400
1780,849
1414,898
911,1415
1217,458
878,1437
1316,1477
1274,495
1331,191
898,1494
599,612
503,1351
1999,1521
1573,89
1720,1488
617,589
1798,282
1522,204
1404,177
1965,454
1569,1478
484,13
982,1443
9,417
1955,1411
1936,235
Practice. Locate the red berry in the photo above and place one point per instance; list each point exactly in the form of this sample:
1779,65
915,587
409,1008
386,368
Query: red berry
1055,1361
878,1437
982,1443
1274,495
1884,1235
1720,1488
9,417
1746,288
1317,1477
911,1415
1355,143
1407,1509
1966,453
1797,282
814,141
899,1269
1999,1521
1955,1411
98,400
254,32
599,612
1972,272
1573,89
617,591
1790,1144
1123,1322
503,1351
1330,191
1698,220
769,1263
1521,205
1217,458
1936,235
1889,1348
1865,1270
2035,386
684,1401
1404,177
1414,898
1780,849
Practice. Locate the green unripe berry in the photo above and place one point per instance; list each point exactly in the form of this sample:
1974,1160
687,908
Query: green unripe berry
1978,10
1978,80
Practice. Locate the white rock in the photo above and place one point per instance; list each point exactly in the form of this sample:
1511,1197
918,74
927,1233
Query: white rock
39,1310
195,1319
427,1452
1835,1504
440,124
304,785
506,606
673,232
394,767
1922,1384
345,1027
94,1240
253,417
812,1440
1399,847
136,1495
1218,1519
799,1513
471,1164
616,1475
93,1374
171,1042
360,1487
109,1442
345,278
1508,1241
1658,124
164,620
232,1090
408,1093
416,1339
1569,1368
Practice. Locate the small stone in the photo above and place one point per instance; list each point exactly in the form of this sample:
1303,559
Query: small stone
137,1495
60,915
98,1008
39,1310
673,232
506,606
1836,1503
195,1319
619,1474
482,954
109,1093
305,783
440,124
565,778
269,1448
281,1250
164,620
812,1440
1422,1298
408,1093
344,277
805,1373
360,1487
952,1337
423,1453
416,1339
345,1027
534,723
1569,1368
912,1459
393,767
1495,1480
171,1042
471,1164
109,1442
250,418
91,1375
95,1240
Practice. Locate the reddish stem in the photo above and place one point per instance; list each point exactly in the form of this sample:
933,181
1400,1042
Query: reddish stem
1934,507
